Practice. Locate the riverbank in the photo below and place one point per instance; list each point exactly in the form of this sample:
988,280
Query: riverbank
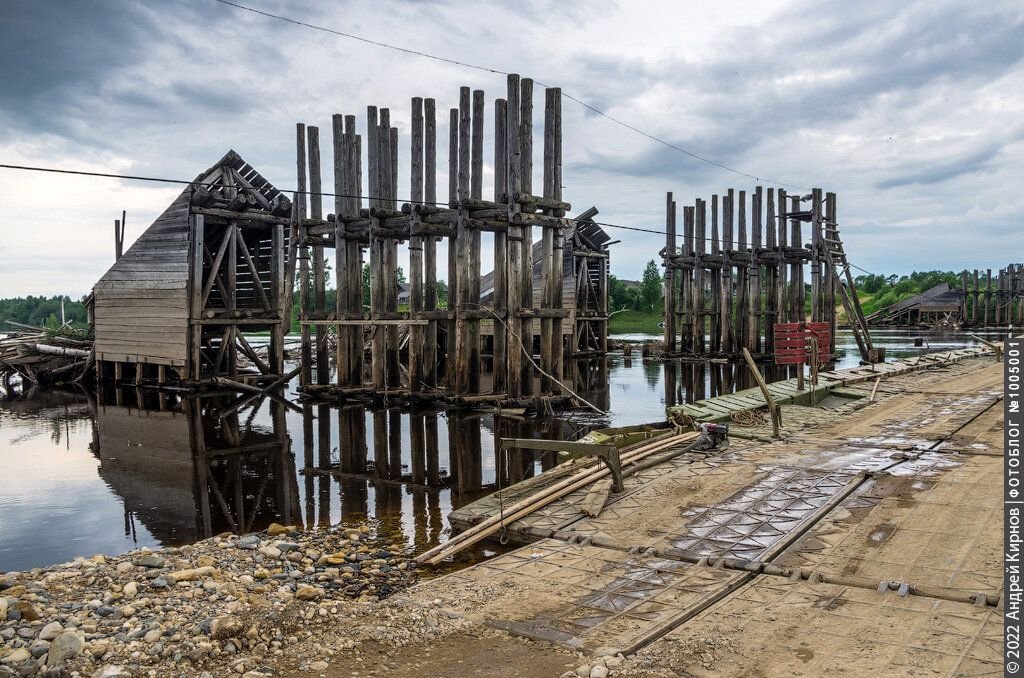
261,604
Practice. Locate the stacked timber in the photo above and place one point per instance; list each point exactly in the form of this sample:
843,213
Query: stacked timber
33,358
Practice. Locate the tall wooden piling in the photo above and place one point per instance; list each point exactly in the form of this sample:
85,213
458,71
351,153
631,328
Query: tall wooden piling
515,313
738,284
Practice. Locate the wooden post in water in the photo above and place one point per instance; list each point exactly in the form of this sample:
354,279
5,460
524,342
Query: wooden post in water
743,300
463,336
378,339
700,240
816,217
670,271
430,245
771,269
832,279
557,247
515,236
988,295
974,299
547,290
417,349
319,270
796,272
526,244
500,285
715,273
725,322
755,267
453,247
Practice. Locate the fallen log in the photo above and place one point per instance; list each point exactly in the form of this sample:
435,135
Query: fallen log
57,350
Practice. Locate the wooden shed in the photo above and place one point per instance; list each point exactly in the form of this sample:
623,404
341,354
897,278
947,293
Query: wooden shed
210,267
940,305
585,260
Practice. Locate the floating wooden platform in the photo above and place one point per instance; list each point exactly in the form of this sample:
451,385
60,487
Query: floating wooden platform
870,532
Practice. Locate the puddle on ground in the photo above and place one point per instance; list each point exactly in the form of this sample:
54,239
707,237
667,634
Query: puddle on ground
805,655
880,535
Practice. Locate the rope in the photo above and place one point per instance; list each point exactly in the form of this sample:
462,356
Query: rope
538,367
683,422
749,418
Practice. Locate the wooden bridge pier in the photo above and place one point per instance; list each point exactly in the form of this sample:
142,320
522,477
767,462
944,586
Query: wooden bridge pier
722,295
508,343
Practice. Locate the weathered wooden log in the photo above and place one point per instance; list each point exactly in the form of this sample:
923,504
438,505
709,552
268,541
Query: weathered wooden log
57,350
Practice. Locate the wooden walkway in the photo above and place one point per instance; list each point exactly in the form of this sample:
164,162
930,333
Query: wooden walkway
870,533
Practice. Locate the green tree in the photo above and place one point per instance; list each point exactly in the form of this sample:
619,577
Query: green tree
399,278
651,294
619,295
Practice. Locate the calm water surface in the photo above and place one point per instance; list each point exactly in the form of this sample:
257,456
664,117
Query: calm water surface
85,474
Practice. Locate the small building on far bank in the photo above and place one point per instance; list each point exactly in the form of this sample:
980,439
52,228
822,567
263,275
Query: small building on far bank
939,306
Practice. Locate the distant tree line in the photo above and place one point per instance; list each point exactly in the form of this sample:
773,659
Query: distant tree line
42,311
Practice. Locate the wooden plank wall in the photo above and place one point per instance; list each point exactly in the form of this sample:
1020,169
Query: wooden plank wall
142,301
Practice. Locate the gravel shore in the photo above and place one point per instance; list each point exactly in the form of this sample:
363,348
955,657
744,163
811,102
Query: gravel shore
257,605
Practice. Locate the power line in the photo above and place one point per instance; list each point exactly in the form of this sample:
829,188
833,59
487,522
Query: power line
497,71
322,194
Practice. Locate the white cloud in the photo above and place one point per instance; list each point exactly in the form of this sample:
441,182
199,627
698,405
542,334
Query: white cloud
912,114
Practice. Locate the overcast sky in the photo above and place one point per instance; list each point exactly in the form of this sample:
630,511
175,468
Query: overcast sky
911,112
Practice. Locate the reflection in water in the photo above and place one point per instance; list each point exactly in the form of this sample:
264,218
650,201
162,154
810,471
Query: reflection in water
137,468
190,469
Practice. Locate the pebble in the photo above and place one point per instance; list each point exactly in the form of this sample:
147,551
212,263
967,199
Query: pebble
249,541
225,627
112,672
178,611
66,646
17,657
599,672
305,592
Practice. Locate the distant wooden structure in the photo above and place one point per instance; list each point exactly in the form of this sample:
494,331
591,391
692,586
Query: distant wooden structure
727,284
174,306
585,264
443,357
982,300
939,306
998,305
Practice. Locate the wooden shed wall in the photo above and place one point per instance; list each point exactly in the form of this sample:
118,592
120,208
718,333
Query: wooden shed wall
142,301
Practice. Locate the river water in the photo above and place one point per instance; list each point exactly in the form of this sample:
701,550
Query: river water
82,474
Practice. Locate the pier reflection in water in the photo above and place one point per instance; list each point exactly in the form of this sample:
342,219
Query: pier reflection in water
128,468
